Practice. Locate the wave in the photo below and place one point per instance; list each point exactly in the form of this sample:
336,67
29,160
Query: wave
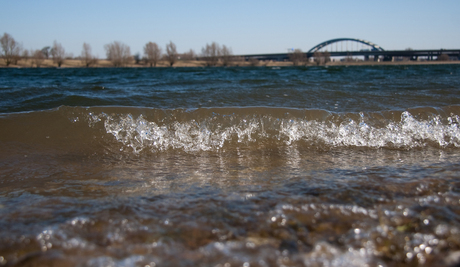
140,130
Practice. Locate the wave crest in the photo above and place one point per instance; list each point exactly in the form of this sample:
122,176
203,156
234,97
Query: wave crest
195,131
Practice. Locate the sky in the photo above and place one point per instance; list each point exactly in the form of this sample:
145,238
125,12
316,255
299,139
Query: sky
247,26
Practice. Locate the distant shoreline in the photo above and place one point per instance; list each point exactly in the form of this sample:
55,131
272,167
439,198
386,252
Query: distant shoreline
103,63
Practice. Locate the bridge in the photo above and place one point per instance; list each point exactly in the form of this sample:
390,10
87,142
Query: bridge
350,47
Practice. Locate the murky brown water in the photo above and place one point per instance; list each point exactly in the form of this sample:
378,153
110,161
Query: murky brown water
355,185
264,207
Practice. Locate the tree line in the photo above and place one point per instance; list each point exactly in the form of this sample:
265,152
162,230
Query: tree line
119,54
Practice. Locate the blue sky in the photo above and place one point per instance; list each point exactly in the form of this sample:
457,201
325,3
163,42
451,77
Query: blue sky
248,27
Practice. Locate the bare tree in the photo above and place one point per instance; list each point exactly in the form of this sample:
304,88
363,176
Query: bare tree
317,57
349,58
137,58
38,58
190,55
17,54
171,53
86,57
254,62
325,57
118,53
10,48
226,55
322,57
58,53
25,55
211,53
443,57
46,51
297,57
153,53
32,57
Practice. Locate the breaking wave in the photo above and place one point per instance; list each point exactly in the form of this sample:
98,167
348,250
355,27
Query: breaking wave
213,129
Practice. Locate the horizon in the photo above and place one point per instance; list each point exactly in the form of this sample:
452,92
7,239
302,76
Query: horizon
254,27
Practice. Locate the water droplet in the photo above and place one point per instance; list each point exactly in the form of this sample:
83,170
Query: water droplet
428,250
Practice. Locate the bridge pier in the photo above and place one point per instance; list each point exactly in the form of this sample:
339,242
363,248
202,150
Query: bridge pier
430,57
387,58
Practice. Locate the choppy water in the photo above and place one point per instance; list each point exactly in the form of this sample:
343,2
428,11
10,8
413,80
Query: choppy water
338,166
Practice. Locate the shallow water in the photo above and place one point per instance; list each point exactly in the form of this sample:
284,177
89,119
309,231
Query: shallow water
338,166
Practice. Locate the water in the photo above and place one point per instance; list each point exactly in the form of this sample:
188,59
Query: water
337,166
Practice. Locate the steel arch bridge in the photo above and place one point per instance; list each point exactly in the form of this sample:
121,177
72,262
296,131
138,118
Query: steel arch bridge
375,51
328,42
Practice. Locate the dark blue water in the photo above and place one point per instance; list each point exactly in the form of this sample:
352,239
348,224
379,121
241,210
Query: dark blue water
307,166
338,89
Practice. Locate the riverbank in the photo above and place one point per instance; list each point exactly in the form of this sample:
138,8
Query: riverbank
103,63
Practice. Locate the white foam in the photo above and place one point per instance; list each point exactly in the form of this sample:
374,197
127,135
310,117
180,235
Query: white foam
141,134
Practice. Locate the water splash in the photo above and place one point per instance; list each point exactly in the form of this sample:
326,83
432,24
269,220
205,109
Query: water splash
225,131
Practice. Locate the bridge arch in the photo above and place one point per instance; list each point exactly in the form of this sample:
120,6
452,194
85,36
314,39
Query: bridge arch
328,42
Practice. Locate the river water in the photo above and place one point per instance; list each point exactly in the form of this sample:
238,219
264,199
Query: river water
317,166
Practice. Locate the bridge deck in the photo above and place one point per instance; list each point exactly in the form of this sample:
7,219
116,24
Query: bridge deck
385,54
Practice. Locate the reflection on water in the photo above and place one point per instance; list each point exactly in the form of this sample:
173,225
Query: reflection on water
287,206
